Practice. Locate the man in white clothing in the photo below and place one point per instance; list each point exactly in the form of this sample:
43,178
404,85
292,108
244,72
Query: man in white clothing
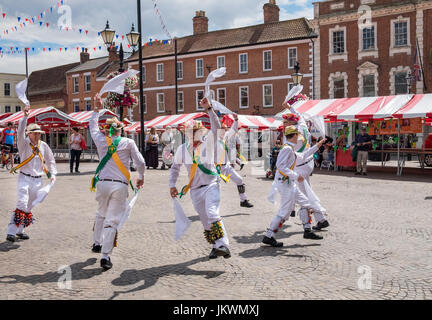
199,154
286,183
305,168
113,179
229,142
36,160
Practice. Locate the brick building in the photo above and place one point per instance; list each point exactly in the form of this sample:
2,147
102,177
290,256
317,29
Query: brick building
86,79
369,57
259,60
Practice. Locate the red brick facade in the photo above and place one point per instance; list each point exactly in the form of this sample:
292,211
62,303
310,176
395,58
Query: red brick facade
384,62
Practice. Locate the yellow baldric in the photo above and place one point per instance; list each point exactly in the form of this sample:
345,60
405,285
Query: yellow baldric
36,152
117,160
293,165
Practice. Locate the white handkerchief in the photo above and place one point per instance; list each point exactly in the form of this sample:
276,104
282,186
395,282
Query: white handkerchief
293,92
42,194
272,195
318,123
212,77
117,83
20,90
220,107
182,221
127,213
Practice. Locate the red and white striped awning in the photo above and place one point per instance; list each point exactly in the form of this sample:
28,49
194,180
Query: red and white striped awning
248,122
5,115
420,106
174,121
44,116
352,108
135,127
83,117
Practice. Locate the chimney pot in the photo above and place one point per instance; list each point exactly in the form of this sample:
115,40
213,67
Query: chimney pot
200,22
271,12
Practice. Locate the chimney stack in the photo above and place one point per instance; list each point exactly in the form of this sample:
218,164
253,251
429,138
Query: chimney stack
84,56
112,53
200,23
271,12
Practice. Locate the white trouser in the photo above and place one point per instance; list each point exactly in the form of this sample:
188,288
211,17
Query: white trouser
112,200
27,189
206,203
235,177
289,195
305,171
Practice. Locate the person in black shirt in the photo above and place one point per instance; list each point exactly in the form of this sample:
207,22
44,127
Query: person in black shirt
363,142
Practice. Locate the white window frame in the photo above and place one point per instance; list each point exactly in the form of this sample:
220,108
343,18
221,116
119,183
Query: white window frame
392,74
367,68
218,94
240,97
217,62
196,68
198,107
289,60
144,74
158,110
6,109
264,61
247,62
76,104
160,79
401,49
369,52
144,103
85,82
337,76
75,78
182,100
18,108
337,56
88,101
4,88
180,70
263,91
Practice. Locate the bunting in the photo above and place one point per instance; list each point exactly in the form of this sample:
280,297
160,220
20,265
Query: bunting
158,13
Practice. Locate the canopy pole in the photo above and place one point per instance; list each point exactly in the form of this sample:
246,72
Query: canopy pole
335,138
382,150
399,171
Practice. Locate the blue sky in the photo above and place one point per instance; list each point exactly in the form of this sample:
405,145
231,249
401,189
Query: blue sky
92,16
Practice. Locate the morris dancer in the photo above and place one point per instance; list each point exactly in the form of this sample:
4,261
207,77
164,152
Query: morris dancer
203,180
285,183
305,168
112,178
35,154
228,140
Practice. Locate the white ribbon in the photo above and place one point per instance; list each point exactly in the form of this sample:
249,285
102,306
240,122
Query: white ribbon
117,84
42,194
293,92
20,90
127,213
272,194
182,221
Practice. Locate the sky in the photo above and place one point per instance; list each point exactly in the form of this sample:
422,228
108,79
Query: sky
60,24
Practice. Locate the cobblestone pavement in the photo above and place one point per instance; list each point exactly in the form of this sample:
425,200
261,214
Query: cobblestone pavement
380,225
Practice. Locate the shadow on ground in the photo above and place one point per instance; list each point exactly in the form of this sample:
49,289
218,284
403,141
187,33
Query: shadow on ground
268,251
151,275
197,218
78,273
7,246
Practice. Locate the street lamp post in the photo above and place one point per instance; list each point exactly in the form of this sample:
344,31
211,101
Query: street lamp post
297,76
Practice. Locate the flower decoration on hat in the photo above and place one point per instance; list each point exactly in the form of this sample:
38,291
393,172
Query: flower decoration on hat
291,117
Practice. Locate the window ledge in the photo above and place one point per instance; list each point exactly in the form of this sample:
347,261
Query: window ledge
400,49
338,56
368,53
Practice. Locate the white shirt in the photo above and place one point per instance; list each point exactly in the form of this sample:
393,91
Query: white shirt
208,155
125,150
34,167
286,159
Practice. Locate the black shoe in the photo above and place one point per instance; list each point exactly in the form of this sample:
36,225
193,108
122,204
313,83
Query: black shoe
220,252
321,225
241,166
357,173
272,241
246,204
364,173
11,238
292,213
22,236
310,235
106,264
76,171
96,248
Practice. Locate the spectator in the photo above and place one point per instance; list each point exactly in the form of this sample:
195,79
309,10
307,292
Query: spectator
363,142
341,141
8,139
75,143
152,154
